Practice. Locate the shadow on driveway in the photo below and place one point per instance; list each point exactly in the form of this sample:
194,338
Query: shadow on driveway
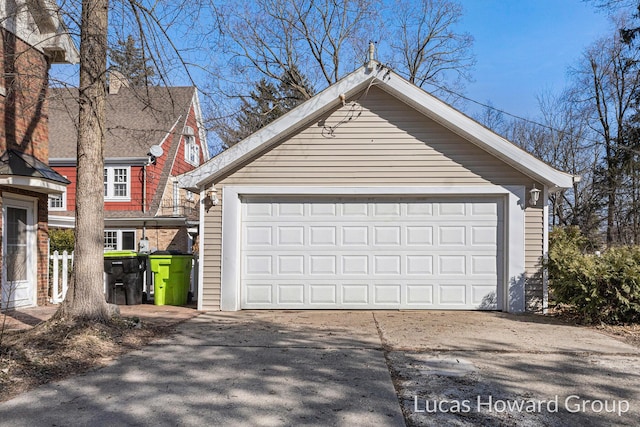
231,369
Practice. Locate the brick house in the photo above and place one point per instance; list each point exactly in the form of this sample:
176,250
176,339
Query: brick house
32,37
153,134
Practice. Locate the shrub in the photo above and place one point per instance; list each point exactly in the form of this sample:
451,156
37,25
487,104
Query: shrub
602,288
61,240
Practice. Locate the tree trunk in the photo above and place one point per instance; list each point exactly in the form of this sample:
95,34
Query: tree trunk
85,298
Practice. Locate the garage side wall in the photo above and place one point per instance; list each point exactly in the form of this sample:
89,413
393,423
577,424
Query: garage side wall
211,244
373,140
534,250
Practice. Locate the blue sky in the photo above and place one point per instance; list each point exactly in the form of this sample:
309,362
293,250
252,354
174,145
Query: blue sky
524,47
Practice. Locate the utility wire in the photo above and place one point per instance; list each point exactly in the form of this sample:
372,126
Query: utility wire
491,107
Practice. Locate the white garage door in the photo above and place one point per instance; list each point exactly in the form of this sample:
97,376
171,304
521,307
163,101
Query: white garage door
371,253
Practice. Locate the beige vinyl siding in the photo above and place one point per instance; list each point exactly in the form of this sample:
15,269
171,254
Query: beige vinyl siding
353,145
395,145
534,251
212,247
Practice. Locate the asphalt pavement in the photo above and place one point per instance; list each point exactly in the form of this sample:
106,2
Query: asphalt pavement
281,368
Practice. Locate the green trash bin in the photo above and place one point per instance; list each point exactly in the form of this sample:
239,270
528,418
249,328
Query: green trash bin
171,277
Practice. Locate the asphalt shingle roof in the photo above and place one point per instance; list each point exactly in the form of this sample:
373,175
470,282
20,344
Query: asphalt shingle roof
14,162
137,118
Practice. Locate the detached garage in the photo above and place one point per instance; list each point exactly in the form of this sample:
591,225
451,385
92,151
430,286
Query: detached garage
373,195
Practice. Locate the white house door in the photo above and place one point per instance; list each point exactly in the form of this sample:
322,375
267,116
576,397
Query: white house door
19,254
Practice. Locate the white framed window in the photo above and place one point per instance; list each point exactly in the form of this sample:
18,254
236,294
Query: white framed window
58,202
119,240
117,183
191,150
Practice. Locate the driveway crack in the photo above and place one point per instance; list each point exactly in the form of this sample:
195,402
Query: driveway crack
386,350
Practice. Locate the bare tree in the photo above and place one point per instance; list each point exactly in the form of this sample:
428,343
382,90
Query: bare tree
606,88
326,39
425,46
321,38
85,299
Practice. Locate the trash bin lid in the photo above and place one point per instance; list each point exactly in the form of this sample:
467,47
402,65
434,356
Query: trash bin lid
169,254
120,254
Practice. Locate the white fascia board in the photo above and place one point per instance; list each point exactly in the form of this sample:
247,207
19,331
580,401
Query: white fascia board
293,120
59,221
201,131
37,185
474,132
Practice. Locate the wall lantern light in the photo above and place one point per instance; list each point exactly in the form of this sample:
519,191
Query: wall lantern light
212,194
534,195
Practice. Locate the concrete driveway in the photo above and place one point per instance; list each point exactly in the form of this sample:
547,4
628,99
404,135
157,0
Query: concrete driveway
333,368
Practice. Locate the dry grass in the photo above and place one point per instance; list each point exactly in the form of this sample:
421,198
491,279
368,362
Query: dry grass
629,333
56,350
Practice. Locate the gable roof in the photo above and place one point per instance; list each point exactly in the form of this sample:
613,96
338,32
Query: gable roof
137,118
398,87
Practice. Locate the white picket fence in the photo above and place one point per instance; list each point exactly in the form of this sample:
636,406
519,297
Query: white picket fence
60,274
62,265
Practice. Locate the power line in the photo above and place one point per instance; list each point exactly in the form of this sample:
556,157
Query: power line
491,107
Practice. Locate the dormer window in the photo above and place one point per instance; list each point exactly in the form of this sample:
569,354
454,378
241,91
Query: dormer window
191,148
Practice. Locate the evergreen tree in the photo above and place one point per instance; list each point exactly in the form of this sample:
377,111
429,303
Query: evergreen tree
131,61
264,104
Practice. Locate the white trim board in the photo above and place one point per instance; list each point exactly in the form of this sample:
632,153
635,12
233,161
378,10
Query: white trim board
398,87
512,290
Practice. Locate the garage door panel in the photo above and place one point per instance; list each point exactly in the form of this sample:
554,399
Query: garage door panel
484,264
420,294
257,265
419,209
355,294
258,236
419,265
484,295
452,209
452,236
484,235
291,294
323,294
322,235
292,209
322,209
322,264
453,294
386,209
290,235
387,294
355,209
259,293
370,253
290,264
419,235
355,235
452,264
386,235
355,264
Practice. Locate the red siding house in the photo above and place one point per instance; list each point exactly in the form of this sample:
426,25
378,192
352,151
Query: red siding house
32,37
153,134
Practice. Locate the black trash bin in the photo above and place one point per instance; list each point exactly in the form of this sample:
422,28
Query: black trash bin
124,270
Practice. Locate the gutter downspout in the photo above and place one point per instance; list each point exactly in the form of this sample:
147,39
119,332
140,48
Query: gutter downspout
144,188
